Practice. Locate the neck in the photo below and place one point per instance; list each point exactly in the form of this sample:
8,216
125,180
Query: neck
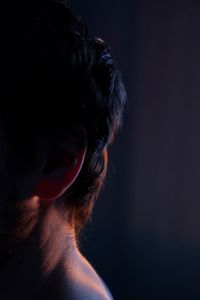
39,263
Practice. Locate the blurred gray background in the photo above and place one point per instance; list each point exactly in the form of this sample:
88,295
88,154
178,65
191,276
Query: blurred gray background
145,236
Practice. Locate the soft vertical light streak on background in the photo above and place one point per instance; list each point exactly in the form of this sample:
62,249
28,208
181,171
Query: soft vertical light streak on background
145,235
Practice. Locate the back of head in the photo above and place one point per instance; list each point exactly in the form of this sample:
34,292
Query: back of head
55,76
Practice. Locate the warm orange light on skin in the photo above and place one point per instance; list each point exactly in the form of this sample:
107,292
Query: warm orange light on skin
27,211
105,155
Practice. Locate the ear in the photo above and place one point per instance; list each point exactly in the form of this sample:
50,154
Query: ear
62,169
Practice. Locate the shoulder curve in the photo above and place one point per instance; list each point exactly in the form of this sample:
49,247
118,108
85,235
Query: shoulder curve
86,284
108,292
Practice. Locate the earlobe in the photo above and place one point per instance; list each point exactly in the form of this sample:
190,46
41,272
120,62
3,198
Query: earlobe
51,187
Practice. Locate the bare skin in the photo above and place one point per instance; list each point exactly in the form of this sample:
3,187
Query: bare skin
50,265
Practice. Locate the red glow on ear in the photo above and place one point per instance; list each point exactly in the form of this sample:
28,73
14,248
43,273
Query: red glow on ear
52,187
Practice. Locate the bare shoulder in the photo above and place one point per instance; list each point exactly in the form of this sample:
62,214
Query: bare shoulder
85,283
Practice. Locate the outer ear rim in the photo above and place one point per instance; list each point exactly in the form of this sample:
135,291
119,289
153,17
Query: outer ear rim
50,188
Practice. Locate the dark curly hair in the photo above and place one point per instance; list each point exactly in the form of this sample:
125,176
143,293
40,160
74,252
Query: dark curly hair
61,75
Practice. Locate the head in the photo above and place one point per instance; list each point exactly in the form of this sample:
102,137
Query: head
62,104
